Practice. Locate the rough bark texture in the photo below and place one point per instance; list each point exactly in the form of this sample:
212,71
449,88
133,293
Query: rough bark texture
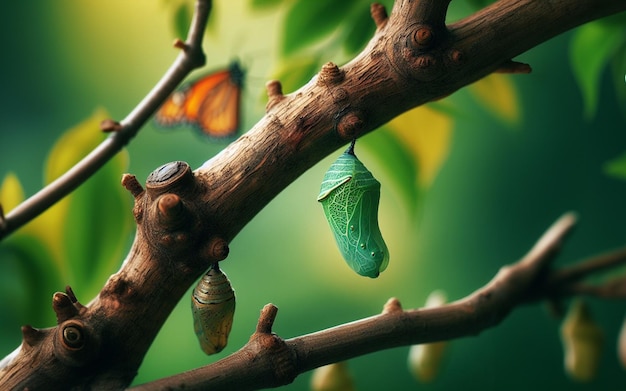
186,218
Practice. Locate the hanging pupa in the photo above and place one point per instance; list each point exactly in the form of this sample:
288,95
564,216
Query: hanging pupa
332,377
349,195
213,308
582,341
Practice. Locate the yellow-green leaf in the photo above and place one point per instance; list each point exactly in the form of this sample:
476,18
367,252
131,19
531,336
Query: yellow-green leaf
29,268
11,192
426,133
97,218
74,144
71,147
399,163
497,94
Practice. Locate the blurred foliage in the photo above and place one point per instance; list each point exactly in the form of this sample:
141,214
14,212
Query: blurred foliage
482,194
497,94
182,19
595,46
425,360
617,167
81,238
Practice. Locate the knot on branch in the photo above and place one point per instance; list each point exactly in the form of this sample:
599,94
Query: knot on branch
173,177
32,336
280,357
274,93
422,37
330,75
168,210
109,126
131,184
65,305
392,306
423,50
75,344
173,221
172,214
426,50
379,15
350,125
218,249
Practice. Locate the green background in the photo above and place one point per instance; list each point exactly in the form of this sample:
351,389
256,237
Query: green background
499,189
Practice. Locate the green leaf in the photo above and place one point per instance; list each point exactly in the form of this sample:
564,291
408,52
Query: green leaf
29,277
617,167
265,4
425,133
398,162
592,47
182,19
360,31
618,67
11,192
97,228
297,72
97,218
496,92
309,21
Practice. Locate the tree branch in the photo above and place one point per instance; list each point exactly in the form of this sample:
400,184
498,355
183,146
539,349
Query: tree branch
185,219
258,366
412,59
191,57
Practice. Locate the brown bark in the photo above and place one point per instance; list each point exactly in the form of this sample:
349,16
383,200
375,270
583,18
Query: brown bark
186,218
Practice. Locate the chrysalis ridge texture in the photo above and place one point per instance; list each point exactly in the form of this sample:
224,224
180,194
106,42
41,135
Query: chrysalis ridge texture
213,308
349,195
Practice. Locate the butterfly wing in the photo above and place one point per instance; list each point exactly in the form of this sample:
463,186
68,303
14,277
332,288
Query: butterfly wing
202,90
212,103
218,113
172,112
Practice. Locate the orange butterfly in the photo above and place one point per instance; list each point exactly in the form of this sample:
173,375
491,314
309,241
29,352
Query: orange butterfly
212,103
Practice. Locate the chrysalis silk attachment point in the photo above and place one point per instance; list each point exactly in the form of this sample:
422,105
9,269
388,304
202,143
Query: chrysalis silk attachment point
350,195
213,308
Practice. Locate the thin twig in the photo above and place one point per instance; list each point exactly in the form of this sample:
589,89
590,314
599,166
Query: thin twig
570,274
613,289
190,57
565,282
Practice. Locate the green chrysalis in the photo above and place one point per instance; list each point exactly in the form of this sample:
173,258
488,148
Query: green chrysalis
349,195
